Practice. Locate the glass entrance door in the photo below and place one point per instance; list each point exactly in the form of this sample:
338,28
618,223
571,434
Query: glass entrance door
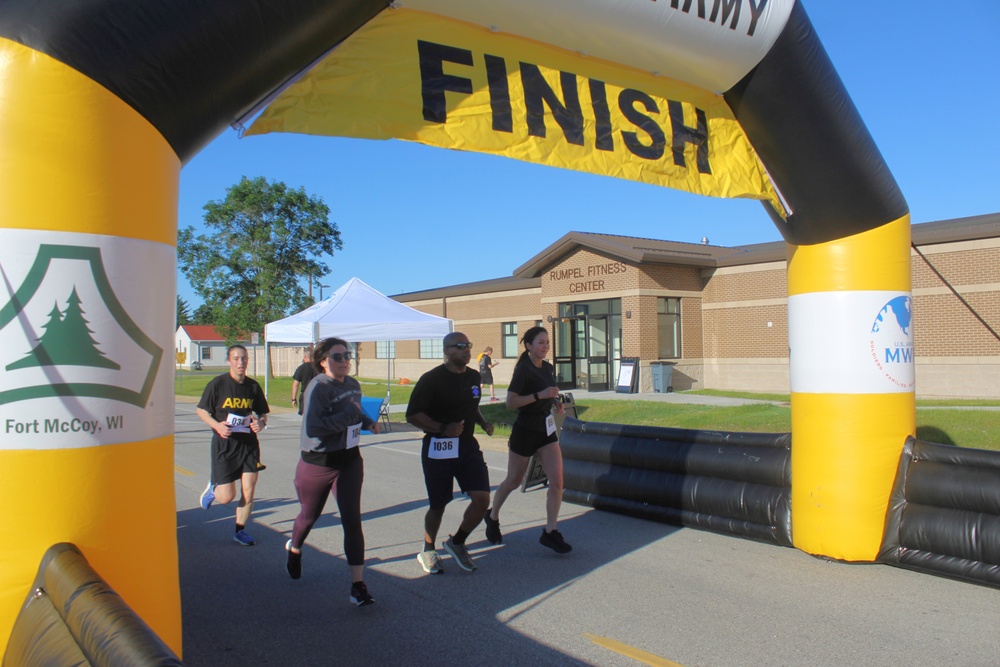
597,352
582,352
570,353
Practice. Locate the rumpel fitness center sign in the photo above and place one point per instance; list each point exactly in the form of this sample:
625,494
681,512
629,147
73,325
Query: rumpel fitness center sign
608,269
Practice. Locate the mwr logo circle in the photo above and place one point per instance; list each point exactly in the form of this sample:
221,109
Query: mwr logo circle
891,344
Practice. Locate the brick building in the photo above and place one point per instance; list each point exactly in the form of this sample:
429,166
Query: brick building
719,315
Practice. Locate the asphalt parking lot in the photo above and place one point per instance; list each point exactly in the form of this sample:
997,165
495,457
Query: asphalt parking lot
632,592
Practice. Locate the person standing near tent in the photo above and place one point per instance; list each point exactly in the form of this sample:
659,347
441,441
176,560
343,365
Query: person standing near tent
234,407
330,459
486,365
445,406
532,392
301,377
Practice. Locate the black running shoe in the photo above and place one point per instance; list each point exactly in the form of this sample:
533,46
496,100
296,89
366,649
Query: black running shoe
554,541
493,533
294,562
360,595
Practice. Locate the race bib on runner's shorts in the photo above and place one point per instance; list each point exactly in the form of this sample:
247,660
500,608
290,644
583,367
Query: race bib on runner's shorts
443,448
550,425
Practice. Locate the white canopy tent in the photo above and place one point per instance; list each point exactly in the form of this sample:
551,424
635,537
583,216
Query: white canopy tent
355,312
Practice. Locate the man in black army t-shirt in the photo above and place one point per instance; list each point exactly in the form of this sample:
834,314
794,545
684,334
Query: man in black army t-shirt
234,406
445,406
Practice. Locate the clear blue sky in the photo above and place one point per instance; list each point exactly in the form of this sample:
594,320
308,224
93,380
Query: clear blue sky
924,74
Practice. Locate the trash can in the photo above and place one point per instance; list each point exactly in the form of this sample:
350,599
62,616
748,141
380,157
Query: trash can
662,372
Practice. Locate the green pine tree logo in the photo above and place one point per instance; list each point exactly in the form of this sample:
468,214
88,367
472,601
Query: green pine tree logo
67,341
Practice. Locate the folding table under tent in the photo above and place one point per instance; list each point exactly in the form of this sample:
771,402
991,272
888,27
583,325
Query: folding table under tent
355,312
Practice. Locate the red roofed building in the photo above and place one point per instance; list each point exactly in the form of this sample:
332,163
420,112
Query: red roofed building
202,345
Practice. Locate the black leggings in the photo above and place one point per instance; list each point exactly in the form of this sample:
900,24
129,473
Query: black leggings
313,484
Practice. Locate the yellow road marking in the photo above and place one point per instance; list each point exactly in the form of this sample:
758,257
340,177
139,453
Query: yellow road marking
183,471
631,652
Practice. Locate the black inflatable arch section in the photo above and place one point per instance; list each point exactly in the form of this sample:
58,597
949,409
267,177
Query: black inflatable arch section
190,67
732,483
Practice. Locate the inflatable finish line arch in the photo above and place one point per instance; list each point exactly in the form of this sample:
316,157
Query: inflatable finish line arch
101,103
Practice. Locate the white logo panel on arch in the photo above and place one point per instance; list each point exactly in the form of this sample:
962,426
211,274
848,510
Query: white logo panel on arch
856,342
86,339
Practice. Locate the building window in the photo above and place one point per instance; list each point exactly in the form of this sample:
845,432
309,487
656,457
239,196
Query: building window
508,336
206,352
385,349
668,320
431,348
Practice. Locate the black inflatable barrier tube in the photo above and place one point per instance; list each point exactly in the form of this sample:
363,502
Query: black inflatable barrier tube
944,513
73,617
733,483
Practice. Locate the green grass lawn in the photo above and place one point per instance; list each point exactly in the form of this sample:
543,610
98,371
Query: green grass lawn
279,390
979,429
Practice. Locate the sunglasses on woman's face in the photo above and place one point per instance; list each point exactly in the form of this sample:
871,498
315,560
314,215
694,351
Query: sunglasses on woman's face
461,346
340,356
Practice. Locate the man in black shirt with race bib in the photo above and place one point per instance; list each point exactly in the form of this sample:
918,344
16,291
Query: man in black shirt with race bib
445,406
234,406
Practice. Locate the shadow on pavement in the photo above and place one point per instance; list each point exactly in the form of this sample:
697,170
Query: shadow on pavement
240,607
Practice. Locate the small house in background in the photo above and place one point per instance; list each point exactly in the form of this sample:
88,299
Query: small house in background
198,346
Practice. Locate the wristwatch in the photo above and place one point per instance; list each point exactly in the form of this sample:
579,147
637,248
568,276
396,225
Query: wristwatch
536,396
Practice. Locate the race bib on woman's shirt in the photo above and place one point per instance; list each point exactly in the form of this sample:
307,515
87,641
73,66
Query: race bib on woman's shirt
353,435
443,448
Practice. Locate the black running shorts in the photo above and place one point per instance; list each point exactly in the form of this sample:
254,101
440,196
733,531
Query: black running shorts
231,457
469,470
526,443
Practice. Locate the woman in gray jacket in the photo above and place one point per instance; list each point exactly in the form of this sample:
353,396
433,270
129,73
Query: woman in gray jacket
330,459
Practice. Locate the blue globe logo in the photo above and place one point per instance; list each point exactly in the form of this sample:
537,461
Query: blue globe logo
891,342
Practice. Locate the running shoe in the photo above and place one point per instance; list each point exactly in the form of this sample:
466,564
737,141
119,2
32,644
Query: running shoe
360,595
294,562
242,538
430,561
460,554
493,533
554,541
207,496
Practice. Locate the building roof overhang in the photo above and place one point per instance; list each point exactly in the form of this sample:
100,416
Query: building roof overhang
638,250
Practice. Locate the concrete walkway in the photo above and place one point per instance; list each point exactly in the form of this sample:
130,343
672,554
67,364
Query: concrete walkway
674,397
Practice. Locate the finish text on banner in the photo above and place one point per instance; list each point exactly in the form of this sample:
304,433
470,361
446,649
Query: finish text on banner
418,77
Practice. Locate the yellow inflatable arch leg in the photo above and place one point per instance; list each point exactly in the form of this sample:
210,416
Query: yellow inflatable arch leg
87,233
852,386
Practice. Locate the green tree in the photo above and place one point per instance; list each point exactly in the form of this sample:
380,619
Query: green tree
203,314
263,239
183,311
